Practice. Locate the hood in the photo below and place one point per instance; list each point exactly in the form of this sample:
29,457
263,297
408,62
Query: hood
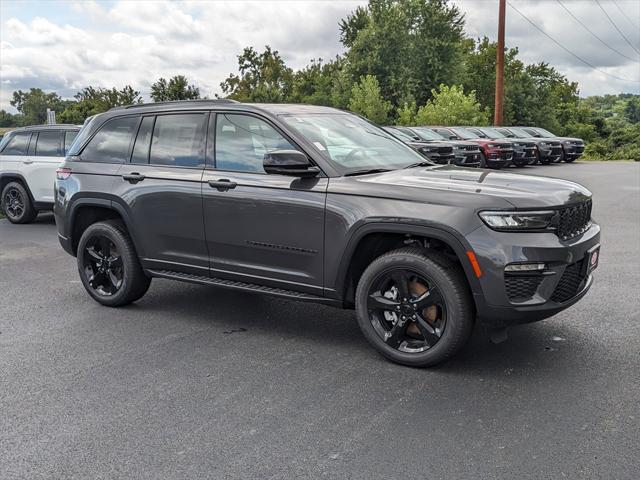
471,187
432,144
564,139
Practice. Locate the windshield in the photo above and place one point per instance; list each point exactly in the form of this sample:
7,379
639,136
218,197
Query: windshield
351,143
543,132
518,132
464,133
426,134
398,133
492,132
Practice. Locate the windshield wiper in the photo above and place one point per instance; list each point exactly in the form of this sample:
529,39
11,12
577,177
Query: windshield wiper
365,172
420,164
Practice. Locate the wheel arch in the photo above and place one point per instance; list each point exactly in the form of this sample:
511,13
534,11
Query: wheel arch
86,211
376,238
7,178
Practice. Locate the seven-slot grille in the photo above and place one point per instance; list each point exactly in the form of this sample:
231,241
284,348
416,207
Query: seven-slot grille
573,220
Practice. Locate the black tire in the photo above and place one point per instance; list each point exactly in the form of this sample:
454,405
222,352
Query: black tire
16,204
444,277
118,279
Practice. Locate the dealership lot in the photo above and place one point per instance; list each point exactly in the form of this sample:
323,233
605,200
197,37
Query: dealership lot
198,382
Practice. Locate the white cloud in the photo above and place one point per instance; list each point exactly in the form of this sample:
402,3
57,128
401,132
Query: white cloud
133,42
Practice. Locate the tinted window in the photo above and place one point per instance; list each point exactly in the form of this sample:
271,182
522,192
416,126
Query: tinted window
49,144
242,141
178,140
17,145
141,147
111,143
69,137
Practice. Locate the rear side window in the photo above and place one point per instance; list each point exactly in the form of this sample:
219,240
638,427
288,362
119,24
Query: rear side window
69,137
141,147
111,143
242,141
49,143
178,140
17,144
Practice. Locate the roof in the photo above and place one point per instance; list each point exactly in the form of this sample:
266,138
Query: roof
57,126
272,108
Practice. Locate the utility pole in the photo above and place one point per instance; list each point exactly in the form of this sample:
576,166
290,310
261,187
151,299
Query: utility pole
497,111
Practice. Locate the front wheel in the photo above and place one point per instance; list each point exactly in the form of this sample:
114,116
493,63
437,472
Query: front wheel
414,307
108,265
17,205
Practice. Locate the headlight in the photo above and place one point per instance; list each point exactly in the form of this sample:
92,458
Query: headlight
568,142
542,220
492,145
543,144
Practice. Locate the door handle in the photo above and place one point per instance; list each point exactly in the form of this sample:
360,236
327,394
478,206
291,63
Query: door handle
133,177
27,162
223,184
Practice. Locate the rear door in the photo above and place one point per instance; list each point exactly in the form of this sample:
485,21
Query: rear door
260,228
45,154
161,189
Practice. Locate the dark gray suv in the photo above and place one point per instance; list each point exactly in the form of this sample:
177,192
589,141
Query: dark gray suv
316,204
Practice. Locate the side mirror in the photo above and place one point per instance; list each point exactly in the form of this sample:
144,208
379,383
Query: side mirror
289,162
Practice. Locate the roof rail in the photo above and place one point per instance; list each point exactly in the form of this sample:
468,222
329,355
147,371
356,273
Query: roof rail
175,102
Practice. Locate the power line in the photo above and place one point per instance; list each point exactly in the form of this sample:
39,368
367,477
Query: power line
616,27
625,15
592,33
569,51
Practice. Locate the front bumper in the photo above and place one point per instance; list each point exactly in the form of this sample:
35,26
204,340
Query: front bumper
501,158
562,284
550,154
465,158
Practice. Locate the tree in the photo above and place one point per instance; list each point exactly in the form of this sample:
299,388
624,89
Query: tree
407,114
410,46
9,119
177,88
367,101
34,103
264,77
94,100
450,106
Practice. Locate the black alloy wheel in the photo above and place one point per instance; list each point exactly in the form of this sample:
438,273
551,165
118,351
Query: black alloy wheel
109,266
406,310
103,267
16,204
414,306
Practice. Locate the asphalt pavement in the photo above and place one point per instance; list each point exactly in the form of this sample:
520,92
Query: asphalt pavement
199,382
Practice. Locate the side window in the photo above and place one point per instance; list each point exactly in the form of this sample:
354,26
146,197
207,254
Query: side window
111,143
178,140
141,147
49,143
242,141
17,145
69,137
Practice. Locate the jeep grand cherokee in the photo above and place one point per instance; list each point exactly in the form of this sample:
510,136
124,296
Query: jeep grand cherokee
315,204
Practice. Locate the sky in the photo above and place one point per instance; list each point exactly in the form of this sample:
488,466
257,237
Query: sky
64,46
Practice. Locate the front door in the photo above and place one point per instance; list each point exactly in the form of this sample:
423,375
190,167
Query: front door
260,228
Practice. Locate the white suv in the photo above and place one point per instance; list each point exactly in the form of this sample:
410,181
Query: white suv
29,157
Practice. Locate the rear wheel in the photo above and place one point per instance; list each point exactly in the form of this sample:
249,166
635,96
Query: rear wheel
16,204
414,307
108,265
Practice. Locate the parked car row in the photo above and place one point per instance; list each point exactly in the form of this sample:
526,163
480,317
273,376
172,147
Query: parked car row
312,204
489,147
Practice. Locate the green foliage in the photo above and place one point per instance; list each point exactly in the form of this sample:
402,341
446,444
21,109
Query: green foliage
410,46
264,77
367,100
451,106
321,83
33,105
407,114
177,88
8,119
93,100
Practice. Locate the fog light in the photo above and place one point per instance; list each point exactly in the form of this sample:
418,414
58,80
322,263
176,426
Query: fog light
525,267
